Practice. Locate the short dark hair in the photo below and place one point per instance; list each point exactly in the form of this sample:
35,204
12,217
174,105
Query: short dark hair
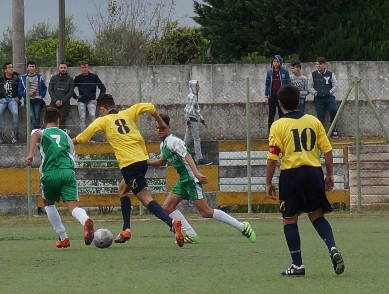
62,62
289,96
165,118
32,62
105,100
321,60
84,63
296,64
5,65
51,115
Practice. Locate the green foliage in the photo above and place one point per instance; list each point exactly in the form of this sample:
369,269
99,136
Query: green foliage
178,46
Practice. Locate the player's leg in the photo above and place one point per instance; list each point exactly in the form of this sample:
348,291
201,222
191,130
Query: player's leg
125,205
69,194
51,192
134,176
170,206
323,228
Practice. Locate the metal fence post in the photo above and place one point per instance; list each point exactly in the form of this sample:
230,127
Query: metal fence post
140,99
248,145
28,135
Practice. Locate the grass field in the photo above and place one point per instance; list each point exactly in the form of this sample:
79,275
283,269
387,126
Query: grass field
224,262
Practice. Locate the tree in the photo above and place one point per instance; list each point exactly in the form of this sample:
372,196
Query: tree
178,46
125,31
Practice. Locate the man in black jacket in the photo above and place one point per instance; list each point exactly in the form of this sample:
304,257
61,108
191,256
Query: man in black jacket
10,99
87,83
61,90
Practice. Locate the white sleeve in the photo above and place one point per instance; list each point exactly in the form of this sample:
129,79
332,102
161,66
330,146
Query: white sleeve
177,145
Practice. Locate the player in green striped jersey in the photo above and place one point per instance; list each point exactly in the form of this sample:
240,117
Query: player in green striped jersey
190,185
57,175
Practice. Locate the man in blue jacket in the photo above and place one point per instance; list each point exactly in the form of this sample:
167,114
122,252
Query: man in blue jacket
276,77
37,93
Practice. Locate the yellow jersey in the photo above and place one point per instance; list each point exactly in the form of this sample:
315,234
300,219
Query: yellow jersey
299,138
122,133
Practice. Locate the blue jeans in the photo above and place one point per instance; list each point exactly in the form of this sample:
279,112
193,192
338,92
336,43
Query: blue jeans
13,107
36,107
324,104
82,112
302,105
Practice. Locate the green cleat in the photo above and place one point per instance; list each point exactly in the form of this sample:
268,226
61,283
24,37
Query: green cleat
192,240
249,232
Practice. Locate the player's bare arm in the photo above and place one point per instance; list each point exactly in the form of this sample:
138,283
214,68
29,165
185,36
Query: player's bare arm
270,169
203,179
34,140
158,119
329,178
157,162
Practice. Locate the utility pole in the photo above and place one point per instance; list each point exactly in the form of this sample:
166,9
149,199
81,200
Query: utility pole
18,43
61,32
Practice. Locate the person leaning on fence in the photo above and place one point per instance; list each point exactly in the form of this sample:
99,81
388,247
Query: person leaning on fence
130,151
302,186
61,89
322,84
275,78
58,179
9,98
300,81
193,119
87,83
190,185
37,93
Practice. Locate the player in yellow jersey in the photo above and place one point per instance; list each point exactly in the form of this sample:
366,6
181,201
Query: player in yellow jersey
300,139
129,147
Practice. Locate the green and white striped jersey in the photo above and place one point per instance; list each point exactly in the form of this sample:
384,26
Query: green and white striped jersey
174,150
57,150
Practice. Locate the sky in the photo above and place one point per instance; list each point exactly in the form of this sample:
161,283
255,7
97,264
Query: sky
36,11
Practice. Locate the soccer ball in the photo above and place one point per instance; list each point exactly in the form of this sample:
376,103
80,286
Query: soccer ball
103,238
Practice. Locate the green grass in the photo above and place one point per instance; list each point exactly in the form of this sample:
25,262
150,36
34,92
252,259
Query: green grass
224,262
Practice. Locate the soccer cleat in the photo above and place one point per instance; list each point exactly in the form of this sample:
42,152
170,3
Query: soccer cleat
89,232
294,271
177,229
63,244
123,237
249,232
337,261
204,162
192,239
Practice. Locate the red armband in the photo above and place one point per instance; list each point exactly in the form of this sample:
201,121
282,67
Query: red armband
274,150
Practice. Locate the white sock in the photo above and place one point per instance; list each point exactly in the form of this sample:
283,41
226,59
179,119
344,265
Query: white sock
185,225
80,214
56,222
223,217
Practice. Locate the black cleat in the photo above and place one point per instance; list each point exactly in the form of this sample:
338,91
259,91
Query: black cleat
337,261
294,271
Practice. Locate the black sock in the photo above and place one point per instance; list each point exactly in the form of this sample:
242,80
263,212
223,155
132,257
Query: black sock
323,227
125,204
158,211
292,237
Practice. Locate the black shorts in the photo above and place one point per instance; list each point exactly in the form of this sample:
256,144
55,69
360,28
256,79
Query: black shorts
302,190
134,176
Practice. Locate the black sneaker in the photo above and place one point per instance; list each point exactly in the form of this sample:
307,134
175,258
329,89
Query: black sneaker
334,133
204,162
337,261
294,271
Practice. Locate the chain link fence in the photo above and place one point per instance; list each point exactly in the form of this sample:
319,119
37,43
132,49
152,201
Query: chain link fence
236,115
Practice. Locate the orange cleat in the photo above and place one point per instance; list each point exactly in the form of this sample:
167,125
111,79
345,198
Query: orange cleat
123,237
178,232
89,231
63,244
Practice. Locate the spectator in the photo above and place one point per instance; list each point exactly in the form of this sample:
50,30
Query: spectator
9,97
38,91
193,119
322,84
86,83
275,78
301,82
61,89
